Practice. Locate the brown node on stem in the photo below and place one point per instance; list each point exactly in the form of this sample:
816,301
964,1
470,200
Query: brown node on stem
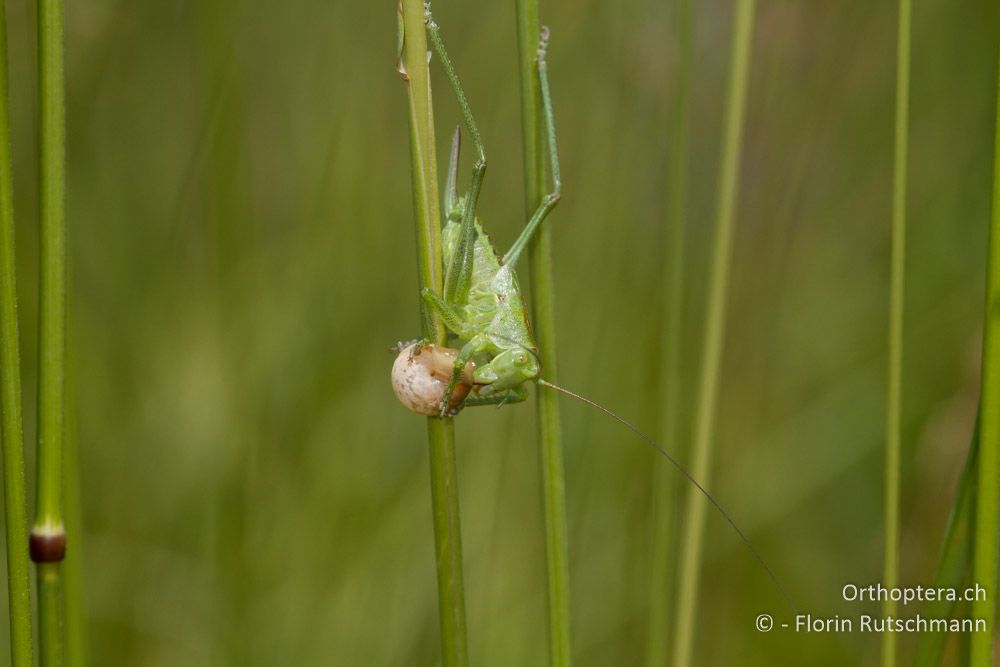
47,547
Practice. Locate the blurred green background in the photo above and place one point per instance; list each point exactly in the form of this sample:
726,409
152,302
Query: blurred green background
243,257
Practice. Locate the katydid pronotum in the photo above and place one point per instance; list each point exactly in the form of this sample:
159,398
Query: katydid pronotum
481,304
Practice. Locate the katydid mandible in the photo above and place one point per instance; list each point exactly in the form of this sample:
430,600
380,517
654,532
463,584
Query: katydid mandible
482,304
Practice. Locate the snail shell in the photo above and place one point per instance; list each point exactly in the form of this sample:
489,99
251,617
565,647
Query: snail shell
420,377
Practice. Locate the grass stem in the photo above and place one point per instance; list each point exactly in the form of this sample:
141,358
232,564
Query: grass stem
893,444
15,520
48,536
694,524
440,433
543,315
988,490
956,556
664,487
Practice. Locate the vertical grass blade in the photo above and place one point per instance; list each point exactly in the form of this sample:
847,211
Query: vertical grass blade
48,536
15,519
543,315
440,433
694,522
988,491
661,581
890,571
956,555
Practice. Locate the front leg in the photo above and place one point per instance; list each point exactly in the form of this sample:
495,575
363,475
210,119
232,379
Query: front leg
474,346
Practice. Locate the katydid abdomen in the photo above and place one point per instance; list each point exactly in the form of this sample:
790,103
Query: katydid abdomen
493,306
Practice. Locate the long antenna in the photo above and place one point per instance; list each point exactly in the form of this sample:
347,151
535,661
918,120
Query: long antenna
652,443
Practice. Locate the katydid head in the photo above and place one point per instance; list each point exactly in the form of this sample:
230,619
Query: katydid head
511,368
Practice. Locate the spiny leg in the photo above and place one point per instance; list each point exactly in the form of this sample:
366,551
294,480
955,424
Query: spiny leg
451,182
449,315
451,318
550,200
458,276
468,350
516,395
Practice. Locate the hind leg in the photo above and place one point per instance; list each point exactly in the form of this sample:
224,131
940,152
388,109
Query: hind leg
458,275
550,200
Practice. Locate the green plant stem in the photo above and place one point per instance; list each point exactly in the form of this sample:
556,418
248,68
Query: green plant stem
664,487
50,601
440,433
988,491
543,314
890,572
953,563
48,531
16,522
694,525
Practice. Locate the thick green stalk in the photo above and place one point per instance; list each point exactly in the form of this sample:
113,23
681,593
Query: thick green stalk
50,602
48,536
988,491
664,496
440,434
16,522
543,314
890,571
694,524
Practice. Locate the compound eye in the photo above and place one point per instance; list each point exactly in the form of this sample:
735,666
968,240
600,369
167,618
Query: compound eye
521,359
